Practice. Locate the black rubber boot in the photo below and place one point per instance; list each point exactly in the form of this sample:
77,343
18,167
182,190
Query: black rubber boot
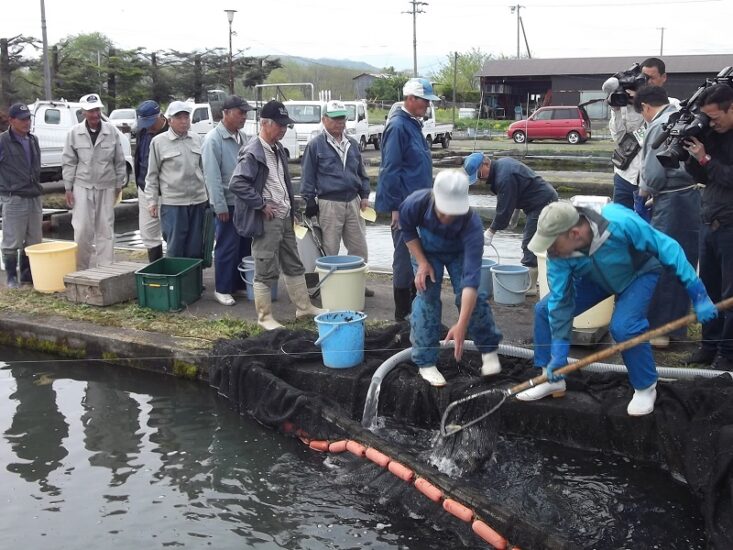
11,270
402,303
25,270
155,253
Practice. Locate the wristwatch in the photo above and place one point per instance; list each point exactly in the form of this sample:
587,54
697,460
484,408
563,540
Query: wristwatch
704,160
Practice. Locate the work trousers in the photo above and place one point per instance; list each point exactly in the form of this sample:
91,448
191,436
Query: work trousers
402,274
530,228
678,216
342,220
183,230
229,250
22,222
627,194
276,250
150,232
93,220
629,319
427,308
716,272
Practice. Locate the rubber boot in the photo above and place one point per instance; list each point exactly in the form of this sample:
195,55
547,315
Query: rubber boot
643,401
263,306
26,277
557,389
533,273
11,270
490,364
432,376
298,292
402,303
155,253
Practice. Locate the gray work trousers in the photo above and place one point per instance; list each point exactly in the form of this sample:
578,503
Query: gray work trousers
342,220
22,222
93,220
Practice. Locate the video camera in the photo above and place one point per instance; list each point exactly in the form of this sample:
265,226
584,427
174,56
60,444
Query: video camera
617,86
689,121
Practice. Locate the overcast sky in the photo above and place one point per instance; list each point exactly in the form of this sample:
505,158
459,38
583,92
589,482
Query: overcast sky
378,32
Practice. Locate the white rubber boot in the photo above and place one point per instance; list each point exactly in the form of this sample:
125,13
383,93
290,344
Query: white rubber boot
490,364
298,292
533,274
643,401
557,389
263,306
432,376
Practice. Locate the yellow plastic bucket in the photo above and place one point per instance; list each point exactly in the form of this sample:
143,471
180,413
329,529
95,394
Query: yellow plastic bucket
596,317
49,263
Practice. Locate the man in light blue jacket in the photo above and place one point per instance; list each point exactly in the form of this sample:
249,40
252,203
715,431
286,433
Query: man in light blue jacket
219,153
591,256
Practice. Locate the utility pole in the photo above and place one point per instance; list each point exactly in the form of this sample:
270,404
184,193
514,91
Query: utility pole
46,61
416,8
455,82
517,8
230,18
661,45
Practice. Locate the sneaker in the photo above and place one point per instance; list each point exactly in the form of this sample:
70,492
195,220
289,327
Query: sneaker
702,356
433,376
723,363
660,342
643,401
490,364
224,299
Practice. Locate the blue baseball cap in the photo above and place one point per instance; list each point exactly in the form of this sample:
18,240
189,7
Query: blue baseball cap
147,113
19,111
419,87
472,164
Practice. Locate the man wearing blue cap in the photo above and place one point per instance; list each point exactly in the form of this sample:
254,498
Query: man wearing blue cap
20,193
407,166
150,123
516,187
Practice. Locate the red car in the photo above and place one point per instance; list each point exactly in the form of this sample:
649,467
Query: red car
569,123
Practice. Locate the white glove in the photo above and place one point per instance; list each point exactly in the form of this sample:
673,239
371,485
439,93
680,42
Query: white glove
488,237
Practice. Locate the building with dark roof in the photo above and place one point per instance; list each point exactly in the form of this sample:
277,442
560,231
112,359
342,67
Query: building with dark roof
506,83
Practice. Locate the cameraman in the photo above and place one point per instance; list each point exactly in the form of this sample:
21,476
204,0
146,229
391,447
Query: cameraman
676,210
711,163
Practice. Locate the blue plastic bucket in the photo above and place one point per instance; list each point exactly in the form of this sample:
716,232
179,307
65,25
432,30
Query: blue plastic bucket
511,283
247,273
486,282
341,337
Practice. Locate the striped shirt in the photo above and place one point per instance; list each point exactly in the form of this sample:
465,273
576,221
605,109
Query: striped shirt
341,147
275,191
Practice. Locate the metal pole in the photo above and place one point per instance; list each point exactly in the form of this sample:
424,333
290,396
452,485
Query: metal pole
46,61
661,45
231,68
455,80
518,8
414,40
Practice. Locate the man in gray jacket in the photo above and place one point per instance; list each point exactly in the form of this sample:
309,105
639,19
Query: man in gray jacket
676,209
263,210
175,171
220,152
94,172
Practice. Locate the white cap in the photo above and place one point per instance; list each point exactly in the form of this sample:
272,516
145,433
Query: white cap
91,101
419,87
335,109
178,107
450,191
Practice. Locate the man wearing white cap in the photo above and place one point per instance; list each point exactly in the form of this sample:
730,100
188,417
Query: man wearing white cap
592,255
406,167
176,173
94,172
442,232
333,171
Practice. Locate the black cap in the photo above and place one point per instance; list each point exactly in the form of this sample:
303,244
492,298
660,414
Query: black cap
274,110
236,102
19,110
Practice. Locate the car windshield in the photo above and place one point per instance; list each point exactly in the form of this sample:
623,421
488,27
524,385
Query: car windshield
122,113
351,112
305,114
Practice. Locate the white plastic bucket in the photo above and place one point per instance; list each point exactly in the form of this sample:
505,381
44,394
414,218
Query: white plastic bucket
596,317
247,273
511,283
342,289
486,283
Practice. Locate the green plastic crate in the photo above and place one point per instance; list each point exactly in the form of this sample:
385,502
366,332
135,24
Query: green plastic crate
169,284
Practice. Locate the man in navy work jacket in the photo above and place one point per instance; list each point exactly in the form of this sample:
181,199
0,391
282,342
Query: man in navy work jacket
592,255
441,231
406,167
516,187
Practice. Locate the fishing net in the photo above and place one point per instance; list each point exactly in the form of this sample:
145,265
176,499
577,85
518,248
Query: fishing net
279,379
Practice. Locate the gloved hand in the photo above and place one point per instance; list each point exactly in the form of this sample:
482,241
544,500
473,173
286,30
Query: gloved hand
488,237
704,307
311,208
559,350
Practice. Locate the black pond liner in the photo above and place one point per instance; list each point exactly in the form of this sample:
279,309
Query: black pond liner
279,379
